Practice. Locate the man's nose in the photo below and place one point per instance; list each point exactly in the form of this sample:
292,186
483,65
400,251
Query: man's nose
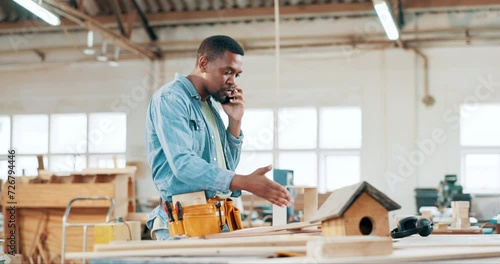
231,80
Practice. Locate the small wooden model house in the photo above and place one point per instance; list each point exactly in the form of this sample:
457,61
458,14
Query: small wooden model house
356,210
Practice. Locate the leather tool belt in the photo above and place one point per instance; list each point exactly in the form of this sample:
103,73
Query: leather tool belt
216,216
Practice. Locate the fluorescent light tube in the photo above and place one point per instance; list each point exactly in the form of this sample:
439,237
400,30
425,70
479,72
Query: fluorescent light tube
39,11
386,19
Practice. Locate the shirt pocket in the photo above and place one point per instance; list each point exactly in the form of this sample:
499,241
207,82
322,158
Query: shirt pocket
198,130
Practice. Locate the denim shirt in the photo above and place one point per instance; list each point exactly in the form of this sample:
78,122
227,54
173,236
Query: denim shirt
181,149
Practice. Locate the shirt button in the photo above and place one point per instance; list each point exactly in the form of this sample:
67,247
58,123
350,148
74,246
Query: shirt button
215,159
212,137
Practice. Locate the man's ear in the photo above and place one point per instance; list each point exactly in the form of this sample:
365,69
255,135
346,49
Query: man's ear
203,63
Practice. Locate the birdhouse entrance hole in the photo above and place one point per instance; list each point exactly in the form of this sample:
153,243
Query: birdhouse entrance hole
366,226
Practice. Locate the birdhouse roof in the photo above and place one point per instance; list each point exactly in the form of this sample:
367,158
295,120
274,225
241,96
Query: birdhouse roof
340,200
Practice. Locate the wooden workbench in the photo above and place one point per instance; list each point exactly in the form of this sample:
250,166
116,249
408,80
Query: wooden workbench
435,248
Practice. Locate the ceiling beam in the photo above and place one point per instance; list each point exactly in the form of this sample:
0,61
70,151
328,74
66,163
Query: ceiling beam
422,5
91,24
254,13
222,15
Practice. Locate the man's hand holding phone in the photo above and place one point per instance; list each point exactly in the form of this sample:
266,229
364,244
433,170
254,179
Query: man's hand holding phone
234,104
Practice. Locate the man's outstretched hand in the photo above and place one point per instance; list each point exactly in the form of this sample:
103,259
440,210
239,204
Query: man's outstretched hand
258,184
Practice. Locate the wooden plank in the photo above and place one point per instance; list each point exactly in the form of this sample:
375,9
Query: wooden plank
127,170
189,252
416,250
305,231
459,231
53,195
291,226
281,240
310,203
336,247
279,215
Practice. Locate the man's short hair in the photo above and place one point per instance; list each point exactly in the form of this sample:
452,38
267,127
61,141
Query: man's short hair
215,46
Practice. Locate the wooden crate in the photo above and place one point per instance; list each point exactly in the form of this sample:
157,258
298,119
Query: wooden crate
39,208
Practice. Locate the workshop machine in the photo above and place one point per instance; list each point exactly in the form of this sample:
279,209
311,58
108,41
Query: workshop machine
449,191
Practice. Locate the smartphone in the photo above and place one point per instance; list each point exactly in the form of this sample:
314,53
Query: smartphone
226,101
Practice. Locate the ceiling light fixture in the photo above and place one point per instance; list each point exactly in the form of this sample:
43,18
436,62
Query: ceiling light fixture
90,43
116,55
386,19
104,50
39,11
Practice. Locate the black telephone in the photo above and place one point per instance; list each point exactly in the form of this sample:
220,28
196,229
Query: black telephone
226,101
228,98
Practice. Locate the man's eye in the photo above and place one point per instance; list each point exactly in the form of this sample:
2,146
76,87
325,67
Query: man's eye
227,73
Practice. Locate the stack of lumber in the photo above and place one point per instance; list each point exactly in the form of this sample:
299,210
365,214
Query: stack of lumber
40,206
256,247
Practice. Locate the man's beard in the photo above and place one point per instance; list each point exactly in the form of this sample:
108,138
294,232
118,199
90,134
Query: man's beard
221,95
217,96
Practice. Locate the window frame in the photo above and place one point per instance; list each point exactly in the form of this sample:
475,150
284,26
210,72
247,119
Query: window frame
49,155
463,179
471,149
321,153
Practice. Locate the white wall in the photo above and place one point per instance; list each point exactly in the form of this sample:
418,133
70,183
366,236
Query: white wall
388,84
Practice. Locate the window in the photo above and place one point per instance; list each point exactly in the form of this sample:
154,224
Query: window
340,128
251,160
107,132
4,135
480,144
258,127
67,142
67,162
257,149
342,170
107,161
340,131
3,170
303,164
477,127
321,145
297,128
30,134
68,133
483,171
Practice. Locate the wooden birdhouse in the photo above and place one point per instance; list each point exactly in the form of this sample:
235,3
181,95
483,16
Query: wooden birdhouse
356,210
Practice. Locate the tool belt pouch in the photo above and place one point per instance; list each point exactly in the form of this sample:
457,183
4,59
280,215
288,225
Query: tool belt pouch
175,227
201,219
204,219
233,215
